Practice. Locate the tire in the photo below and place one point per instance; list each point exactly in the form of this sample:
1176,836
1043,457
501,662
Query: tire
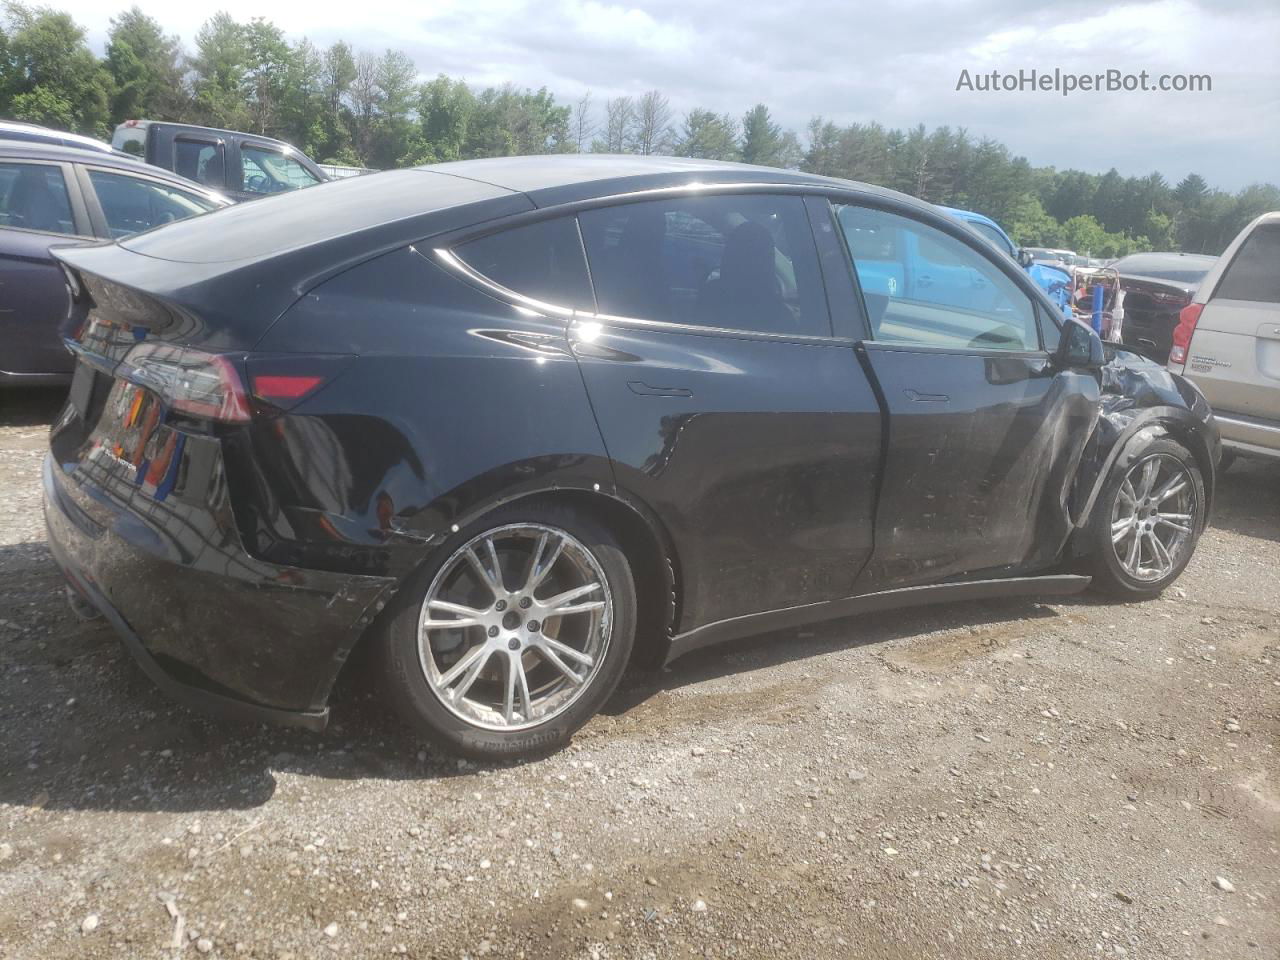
1120,575
519,702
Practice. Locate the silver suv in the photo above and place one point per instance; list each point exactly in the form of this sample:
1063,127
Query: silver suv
1228,341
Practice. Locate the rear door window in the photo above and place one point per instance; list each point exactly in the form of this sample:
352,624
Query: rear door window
33,196
1254,273
740,262
203,161
541,260
133,204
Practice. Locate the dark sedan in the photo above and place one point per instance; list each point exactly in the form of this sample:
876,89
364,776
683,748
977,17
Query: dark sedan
518,422
50,195
1156,287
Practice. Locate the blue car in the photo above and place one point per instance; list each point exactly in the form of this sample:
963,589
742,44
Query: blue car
1055,282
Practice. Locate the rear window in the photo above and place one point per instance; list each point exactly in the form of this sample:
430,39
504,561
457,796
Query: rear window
299,218
542,260
132,140
1254,273
1188,269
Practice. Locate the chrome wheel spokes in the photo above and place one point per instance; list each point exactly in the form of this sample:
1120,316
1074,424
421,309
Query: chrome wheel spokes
1154,517
507,659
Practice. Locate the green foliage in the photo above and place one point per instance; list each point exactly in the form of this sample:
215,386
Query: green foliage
1101,214
354,107
761,138
709,136
219,67
48,74
145,69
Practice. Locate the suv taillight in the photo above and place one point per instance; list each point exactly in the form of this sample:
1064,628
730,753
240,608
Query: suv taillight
191,381
1183,332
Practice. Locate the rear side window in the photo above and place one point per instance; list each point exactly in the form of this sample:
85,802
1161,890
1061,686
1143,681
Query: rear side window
742,262
200,160
132,204
542,261
1254,273
33,196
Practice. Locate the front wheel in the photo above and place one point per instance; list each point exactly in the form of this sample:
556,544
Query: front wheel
1147,521
516,636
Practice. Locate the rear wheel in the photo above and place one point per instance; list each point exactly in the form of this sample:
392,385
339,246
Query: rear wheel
516,636
1147,521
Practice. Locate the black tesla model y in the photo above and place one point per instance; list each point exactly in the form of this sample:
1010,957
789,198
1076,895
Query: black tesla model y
519,422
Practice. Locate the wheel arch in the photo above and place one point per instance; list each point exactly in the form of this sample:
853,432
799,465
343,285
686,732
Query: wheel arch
642,536
1132,437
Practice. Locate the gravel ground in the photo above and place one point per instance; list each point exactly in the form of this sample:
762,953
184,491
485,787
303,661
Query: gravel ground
998,779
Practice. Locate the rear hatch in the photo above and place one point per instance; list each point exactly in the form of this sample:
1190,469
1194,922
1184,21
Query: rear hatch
1234,351
164,324
1151,309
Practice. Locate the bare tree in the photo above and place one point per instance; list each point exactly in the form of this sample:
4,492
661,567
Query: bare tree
653,124
583,126
619,118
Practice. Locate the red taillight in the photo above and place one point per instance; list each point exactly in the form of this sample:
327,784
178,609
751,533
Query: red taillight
279,382
282,388
188,380
1183,332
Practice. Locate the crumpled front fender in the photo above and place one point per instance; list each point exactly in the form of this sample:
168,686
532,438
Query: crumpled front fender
1142,402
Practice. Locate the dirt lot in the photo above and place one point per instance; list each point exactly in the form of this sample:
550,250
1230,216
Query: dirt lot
1002,779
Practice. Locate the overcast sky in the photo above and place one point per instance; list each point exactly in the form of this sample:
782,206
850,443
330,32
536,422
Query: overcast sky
896,63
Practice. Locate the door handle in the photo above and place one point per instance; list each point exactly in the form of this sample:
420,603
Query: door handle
924,280
644,390
925,397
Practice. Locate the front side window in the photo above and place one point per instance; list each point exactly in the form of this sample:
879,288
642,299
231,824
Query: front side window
33,196
270,171
1254,273
200,160
923,286
541,260
741,262
132,204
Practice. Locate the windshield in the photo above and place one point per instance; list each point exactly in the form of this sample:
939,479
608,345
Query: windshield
992,234
271,171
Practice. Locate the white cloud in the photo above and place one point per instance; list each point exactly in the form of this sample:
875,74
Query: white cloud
849,60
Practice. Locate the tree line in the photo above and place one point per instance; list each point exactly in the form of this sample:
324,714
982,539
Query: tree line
347,106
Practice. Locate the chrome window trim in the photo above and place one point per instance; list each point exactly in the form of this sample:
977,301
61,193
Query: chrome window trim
456,263
451,261
518,300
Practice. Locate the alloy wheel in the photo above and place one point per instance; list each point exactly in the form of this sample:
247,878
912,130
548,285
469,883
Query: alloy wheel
506,658
1154,517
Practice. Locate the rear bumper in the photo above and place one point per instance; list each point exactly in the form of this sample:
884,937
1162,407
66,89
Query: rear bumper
1249,436
222,633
